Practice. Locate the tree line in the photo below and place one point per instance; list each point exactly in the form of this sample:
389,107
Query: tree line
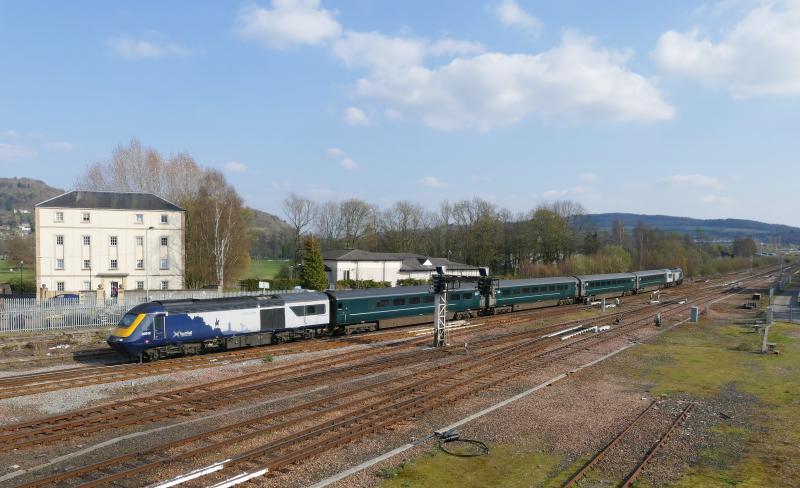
552,239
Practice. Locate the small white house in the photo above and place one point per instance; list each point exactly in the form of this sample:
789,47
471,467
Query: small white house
355,264
90,240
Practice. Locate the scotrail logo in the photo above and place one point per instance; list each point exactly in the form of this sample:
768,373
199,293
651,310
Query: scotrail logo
182,333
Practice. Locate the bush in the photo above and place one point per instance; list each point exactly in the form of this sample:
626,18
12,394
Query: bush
251,284
412,282
360,284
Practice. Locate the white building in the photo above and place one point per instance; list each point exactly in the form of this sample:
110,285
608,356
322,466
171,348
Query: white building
355,264
97,240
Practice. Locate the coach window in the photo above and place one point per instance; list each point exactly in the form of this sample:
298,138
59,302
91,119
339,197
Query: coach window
399,301
340,305
382,303
428,299
315,309
526,290
298,310
413,300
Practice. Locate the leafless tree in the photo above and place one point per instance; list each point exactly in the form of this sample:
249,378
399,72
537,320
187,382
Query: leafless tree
299,213
356,220
328,223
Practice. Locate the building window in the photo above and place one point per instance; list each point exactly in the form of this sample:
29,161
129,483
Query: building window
346,274
164,241
59,286
87,264
164,263
59,240
87,285
140,264
86,217
140,218
139,241
87,240
112,240
164,218
60,264
165,285
113,264
140,285
59,216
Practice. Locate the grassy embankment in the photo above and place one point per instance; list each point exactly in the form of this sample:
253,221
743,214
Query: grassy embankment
266,268
706,362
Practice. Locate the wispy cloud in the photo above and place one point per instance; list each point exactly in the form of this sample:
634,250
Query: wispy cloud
60,146
511,14
695,180
16,152
335,152
348,164
355,116
130,48
588,177
235,167
431,182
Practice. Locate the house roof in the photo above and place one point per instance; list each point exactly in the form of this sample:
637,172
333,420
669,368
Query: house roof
410,261
112,200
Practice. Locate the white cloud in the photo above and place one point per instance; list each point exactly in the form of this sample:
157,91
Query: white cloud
129,48
511,14
575,81
60,146
588,177
711,198
760,55
554,193
335,152
14,152
235,167
11,134
288,23
355,116
431,181
348,164
696,181
383,53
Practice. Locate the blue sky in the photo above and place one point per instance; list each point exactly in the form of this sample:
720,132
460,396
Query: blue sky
679,108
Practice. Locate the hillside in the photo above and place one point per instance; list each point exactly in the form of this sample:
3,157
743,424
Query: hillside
270,235
22,194
718,229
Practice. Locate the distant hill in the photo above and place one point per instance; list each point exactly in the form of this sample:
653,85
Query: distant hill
270,235
21,194
719,229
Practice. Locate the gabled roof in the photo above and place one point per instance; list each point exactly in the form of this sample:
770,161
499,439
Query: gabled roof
410,261
112,200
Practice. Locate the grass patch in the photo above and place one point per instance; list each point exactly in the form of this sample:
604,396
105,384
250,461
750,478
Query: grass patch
8,276
266,268
268,358
503,467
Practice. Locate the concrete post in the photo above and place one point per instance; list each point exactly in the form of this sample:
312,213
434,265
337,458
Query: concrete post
602,305
764,339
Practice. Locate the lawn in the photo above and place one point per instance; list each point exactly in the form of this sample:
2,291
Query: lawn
266,268
12,277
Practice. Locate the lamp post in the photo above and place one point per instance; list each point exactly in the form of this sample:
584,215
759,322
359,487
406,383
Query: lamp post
20,276
146,270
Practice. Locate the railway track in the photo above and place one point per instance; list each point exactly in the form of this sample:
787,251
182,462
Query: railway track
48,381
336,419
620,438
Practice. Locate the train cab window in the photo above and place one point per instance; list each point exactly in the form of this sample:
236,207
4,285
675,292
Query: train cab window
413,300
318,309
427,299
399,301
299,310
160,327
384,302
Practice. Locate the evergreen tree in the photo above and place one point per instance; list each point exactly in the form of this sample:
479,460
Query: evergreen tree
312,276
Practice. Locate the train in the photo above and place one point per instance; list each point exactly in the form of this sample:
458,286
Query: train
164,328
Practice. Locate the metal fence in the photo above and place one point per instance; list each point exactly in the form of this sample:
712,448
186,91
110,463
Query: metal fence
31,314
787,314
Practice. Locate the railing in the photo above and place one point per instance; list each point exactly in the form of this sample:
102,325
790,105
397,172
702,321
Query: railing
31,314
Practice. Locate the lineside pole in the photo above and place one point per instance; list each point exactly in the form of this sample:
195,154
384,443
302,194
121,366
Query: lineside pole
440,328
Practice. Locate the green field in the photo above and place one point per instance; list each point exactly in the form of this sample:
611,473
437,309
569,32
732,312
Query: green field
266,268
12,277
